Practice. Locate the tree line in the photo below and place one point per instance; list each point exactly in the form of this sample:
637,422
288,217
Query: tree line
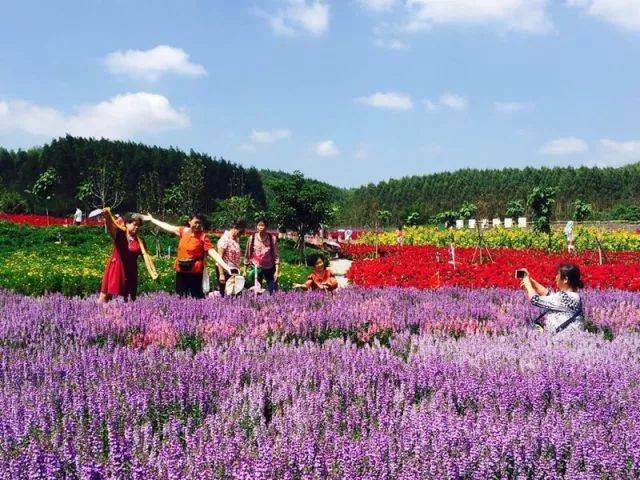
130,176
71,171
613,193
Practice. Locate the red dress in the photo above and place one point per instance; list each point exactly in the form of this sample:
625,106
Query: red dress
121,272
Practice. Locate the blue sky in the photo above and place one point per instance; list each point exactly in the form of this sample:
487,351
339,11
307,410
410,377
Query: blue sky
350,91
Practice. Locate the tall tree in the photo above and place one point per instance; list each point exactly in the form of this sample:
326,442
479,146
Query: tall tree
235,208
44,187
104,187
300,205
191,184
150,194
540,203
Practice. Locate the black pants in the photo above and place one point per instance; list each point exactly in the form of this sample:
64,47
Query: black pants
189,285
268,274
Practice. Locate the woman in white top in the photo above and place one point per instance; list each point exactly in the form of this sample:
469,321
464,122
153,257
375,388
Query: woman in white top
562,308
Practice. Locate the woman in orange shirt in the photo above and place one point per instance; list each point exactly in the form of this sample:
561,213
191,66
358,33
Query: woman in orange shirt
321,278
193,248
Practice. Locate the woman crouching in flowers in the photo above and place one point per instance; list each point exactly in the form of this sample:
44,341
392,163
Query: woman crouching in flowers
321,278
121,272
563,308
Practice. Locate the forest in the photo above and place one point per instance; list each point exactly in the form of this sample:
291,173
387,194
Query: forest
71,171
126,175
613,193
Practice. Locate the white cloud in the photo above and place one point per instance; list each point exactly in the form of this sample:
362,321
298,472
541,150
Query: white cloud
327,148
446,100
387,101
509,108
151,64
298,16
122,117
431,106
378,5
390,44
453,101
630,148
564,146
528,16
621,13
269,136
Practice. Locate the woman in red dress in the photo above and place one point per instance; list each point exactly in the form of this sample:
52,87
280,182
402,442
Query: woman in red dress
121,272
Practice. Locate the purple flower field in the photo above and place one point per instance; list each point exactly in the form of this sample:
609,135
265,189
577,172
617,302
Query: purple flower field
371,384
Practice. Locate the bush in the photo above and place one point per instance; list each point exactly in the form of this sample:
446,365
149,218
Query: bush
629,213
12,202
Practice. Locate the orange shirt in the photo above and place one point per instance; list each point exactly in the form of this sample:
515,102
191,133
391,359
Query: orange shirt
194,246
314,280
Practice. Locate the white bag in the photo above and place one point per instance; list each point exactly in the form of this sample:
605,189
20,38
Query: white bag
234,285
206,283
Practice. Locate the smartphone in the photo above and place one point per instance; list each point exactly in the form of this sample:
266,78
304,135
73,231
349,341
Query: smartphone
521,273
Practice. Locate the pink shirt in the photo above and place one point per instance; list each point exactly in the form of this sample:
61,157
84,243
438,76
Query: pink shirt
232,251
264,256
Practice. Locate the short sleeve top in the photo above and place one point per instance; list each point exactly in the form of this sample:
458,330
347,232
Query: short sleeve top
193,246
263,253
232,251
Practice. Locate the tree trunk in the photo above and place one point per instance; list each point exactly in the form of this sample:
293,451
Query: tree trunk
300,247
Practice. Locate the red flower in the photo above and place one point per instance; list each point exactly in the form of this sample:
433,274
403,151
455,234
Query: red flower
40,220
431,267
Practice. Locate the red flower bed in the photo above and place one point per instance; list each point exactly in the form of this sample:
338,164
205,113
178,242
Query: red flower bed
339,235
40,220
430,267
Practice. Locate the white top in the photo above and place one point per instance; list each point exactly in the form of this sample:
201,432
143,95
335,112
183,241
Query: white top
568,230
78,215
560,306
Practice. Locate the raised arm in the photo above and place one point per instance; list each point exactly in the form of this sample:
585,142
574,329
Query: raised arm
163,225
218,259
110,222
538,288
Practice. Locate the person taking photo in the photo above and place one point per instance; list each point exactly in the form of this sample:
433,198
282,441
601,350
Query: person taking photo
562,308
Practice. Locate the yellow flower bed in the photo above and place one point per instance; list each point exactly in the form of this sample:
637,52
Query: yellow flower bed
585,238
